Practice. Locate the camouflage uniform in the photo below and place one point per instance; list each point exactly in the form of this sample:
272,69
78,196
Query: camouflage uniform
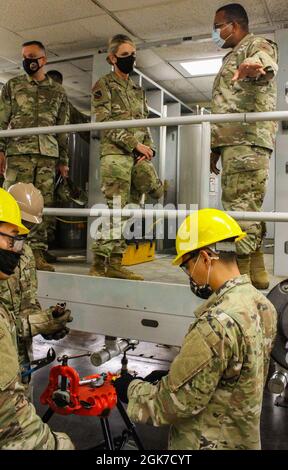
20,427
115,99
245,148
212,396
32,159
19,295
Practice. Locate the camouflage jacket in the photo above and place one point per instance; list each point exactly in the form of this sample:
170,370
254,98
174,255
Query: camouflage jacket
20,427
19,295
212,396
28,103
115,99
246,96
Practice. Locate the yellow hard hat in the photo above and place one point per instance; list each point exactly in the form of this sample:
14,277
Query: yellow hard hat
203,228
10,212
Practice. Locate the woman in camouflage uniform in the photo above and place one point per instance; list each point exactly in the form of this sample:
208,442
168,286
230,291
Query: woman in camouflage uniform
126,154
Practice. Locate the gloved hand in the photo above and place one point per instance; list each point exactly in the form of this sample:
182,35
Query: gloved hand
58,335
122,383
45,323
155,376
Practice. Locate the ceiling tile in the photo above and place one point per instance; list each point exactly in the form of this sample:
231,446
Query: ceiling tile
188,50
278,9
193,97
10,46
188,19
16,16
84,64
67,69
203,84
160,72
178,86
147,58
116,5
102,27
61,35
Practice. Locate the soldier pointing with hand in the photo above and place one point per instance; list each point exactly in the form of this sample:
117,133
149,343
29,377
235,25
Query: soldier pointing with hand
246,83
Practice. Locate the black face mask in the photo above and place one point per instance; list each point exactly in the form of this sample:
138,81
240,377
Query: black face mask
126,64
31,66
8,261
203,291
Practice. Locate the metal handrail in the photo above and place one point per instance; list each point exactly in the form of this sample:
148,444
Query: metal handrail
156,122
152,122
161,213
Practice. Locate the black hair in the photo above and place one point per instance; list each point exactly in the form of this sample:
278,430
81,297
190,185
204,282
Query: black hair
55,75
235,12
35,43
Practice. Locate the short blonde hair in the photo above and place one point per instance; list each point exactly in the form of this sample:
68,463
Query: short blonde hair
116,42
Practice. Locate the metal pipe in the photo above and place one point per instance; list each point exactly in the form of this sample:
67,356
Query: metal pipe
108,352
205,164
152,122
278,382
101,212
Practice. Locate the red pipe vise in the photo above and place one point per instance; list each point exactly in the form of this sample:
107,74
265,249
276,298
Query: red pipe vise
66,393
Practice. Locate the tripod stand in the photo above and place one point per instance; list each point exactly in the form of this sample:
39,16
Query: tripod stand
119,442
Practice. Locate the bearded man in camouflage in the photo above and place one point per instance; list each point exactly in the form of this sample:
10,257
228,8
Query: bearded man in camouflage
34,100
246,83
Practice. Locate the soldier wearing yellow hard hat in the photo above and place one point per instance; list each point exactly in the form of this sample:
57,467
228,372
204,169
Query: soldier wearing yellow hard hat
19,292
205,236
21,428
212,394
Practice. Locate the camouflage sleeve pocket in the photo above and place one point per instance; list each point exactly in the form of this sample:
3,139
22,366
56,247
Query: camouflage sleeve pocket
195,354
8,358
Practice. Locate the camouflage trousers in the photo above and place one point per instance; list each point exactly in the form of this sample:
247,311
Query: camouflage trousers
40,171
244,183
120,177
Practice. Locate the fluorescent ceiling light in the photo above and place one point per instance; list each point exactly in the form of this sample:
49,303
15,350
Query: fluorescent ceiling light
200,68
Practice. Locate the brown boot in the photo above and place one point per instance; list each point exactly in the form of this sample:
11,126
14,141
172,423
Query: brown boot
41,263
258,273
244,262
116,270
98,267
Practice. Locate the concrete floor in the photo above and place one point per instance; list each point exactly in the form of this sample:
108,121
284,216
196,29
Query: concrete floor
86,431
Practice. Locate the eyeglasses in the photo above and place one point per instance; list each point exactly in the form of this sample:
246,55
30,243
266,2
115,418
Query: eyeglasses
218,25
16,242
184,266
